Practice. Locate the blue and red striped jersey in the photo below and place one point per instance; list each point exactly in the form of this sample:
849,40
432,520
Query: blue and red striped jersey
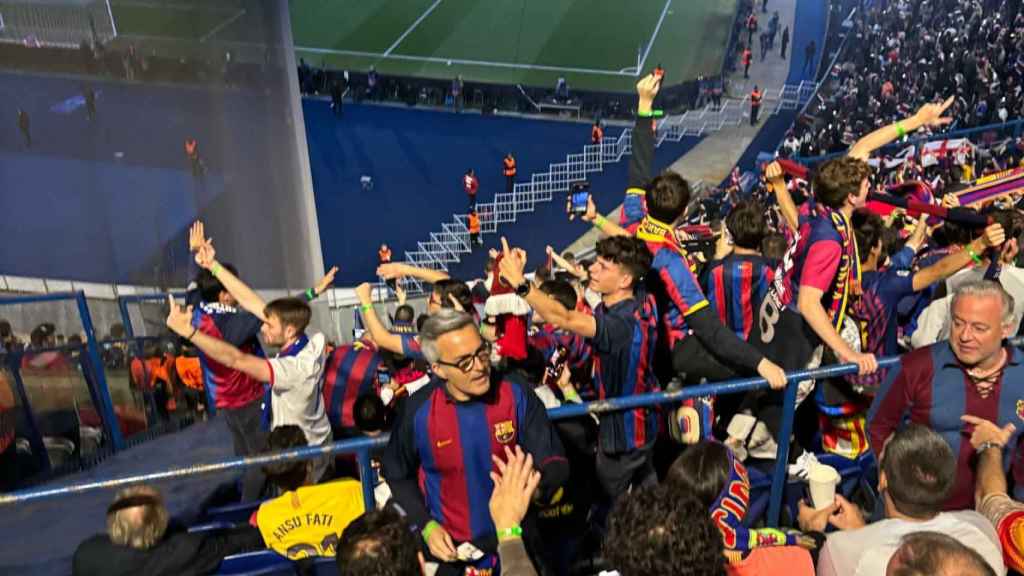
624,348
351,372
930,387
547,339
411,347
735,287
438,460
229,388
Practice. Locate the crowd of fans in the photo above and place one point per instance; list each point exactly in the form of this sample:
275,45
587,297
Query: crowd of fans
904,54
475,479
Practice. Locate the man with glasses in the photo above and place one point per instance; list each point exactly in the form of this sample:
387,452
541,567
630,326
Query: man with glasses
447,437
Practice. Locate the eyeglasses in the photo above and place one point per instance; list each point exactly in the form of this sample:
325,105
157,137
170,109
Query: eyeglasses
466,363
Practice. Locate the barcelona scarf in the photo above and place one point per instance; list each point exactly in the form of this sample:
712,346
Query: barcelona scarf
658,232
848,276
729,510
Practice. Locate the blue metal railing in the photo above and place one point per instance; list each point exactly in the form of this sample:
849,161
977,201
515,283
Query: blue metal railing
92,364
363,446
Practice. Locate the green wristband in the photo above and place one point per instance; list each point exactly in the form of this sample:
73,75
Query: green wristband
310,294
365,307
513,533
599,221
215,269
429,528
900,130
974,255
651,114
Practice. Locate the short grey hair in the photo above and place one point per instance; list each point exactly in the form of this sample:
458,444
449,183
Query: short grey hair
986,288
444,321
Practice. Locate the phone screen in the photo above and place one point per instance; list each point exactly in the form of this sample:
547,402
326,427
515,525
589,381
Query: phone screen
579,194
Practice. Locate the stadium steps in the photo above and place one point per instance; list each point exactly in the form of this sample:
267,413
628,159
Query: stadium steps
446,247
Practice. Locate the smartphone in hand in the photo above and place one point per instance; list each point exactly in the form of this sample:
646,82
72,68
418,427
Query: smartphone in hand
579,196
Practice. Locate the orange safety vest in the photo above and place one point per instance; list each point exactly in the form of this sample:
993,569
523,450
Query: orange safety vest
596,134
747,54
190,147
190,372
510,166
474,224
755,98
384,256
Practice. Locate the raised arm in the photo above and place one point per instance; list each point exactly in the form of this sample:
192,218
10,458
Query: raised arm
380,334
575,270
511,269
179,320
641,158
777,182
928,115
994,236
396,270
205,257
603,224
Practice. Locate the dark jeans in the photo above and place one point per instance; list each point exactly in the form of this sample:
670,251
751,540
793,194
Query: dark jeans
616,473
9,467
249,439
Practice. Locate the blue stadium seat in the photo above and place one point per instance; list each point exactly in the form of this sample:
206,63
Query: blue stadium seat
234,513
262,563
210,526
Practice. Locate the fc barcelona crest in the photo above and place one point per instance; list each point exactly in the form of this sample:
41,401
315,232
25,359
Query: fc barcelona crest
505,432
1020,409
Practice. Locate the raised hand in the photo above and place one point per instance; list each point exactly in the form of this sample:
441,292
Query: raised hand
513,262
514,485
389,271
364,292
206,256
932,114
994,235
647,88
326,281
179,319
196,236
773,172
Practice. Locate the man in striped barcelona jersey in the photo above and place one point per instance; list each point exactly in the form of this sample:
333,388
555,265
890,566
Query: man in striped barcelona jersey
439,460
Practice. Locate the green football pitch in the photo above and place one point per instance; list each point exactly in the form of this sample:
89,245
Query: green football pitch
594,44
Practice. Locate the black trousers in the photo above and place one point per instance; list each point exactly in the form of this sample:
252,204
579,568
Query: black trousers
249,438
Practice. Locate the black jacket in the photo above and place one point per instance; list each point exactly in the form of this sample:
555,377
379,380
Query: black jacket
178,554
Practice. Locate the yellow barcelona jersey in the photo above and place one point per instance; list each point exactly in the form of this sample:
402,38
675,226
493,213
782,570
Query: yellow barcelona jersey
308,521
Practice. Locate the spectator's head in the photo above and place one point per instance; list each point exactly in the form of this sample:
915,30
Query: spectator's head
404,320
667,197
6,331
622,261
654,531
569,257
384,247
936,554
774,246
211,290
370,414
117,331
137,518
747,225
291,474
842,181
542,274
917,472
457,354
444,289
701,472
379,543
287,319
868,229
981,317
561,291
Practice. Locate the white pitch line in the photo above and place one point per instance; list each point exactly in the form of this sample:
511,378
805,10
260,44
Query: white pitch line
464,62
654,36
411,28
222,25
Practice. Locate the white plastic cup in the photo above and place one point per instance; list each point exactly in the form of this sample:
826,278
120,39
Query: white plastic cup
823,480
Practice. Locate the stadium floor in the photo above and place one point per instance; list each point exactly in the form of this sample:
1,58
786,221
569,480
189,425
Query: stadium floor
71,520
594,44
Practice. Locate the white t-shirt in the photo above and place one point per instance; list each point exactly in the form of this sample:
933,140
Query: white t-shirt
866,551
296,396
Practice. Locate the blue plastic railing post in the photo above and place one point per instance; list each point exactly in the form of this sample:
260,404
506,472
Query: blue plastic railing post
126,318
782,456
111,424
35,438
367,476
